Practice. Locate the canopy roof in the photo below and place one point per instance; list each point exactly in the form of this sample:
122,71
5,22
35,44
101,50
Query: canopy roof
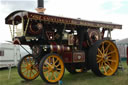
18,15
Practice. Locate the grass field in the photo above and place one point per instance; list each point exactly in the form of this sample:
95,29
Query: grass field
88,78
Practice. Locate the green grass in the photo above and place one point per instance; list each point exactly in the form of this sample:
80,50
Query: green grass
88,78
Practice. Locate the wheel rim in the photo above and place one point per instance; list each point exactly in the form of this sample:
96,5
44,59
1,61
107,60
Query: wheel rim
107,58
53,68
28,68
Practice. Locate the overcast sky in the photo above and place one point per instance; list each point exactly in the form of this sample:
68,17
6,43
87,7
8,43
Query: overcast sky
115,11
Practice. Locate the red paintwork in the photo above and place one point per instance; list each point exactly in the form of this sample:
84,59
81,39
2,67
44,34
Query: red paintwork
78,57
73,57
84,44
67,57
55,49
16,41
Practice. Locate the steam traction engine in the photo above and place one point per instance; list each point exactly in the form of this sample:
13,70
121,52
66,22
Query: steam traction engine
58,43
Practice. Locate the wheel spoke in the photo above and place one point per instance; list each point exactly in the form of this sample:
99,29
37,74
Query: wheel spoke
53,61
47,74
24,67
49,59
58,65
106,49
100,51
46,71
112,60
45,67
57,72
109,57
109,66
59,69
100,65
52,76
32,72
108,62
104,69
99,56
103,47
48,64
112,52
56,61
26,61
30,60
25,71
55,76
36,69
99,60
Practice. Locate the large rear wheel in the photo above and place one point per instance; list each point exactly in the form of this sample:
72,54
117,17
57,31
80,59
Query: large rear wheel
104,58
51,68
28,68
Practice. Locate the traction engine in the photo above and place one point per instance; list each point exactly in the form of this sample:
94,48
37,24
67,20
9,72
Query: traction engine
59,42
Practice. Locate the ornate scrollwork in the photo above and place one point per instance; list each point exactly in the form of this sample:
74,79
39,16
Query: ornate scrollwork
35,28
94,35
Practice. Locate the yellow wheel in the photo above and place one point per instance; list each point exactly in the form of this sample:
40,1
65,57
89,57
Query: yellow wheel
104,58
27,68
51,68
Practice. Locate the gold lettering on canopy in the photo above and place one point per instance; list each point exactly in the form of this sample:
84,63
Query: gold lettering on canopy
71,21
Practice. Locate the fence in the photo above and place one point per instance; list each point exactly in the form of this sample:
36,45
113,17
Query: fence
123,51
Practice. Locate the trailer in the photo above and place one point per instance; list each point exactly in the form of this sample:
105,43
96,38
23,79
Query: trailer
9,55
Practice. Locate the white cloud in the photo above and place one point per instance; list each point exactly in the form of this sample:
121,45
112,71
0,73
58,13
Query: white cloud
73,8
91,10
4,30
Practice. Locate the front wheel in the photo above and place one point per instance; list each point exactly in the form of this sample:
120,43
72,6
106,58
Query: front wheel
28,68
51,68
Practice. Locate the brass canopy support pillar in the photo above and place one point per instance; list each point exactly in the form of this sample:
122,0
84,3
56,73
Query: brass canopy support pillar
13,29
11,32
109,33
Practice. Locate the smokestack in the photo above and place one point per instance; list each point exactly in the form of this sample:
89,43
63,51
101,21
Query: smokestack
40,6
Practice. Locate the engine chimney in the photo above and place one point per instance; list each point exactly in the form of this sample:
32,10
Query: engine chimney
40,7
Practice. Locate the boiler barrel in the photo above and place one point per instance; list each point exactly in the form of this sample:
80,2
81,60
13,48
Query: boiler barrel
57,48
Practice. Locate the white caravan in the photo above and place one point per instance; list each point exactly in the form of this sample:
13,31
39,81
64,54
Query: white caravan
9,54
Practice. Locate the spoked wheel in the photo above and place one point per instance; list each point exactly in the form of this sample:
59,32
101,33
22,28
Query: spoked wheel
51,68
27,68
104,58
